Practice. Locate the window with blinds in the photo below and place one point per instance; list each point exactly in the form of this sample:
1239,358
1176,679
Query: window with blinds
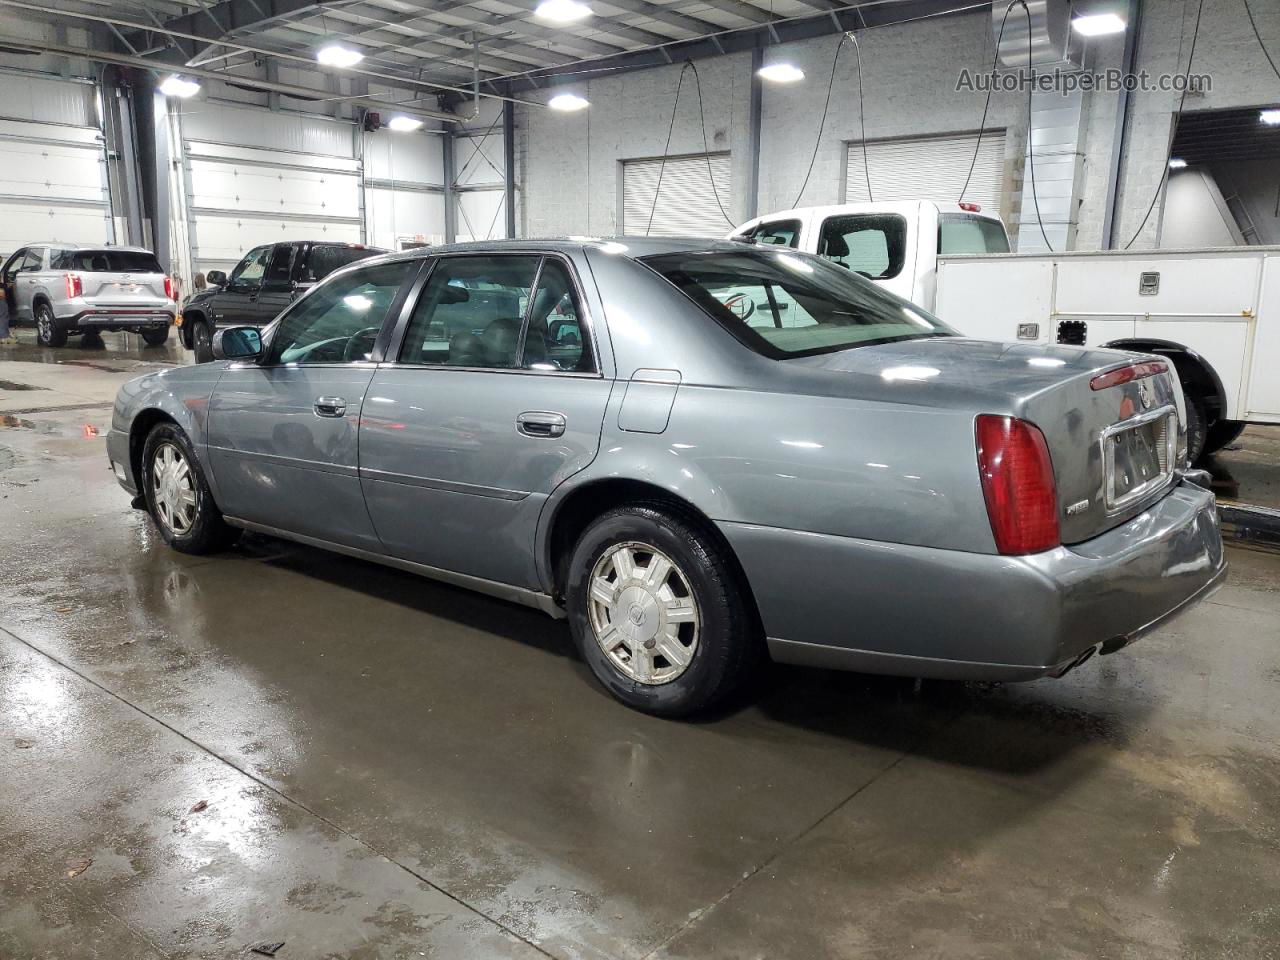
929,168
686,204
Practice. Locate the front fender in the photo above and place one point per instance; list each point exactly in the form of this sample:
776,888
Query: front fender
181,395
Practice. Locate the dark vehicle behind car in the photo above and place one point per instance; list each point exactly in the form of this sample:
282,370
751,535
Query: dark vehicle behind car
266,280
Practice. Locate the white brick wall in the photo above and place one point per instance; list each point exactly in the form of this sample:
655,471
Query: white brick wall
569,163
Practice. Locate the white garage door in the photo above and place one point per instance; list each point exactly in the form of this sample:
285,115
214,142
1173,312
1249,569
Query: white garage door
53,182
687,204
254,176
928,168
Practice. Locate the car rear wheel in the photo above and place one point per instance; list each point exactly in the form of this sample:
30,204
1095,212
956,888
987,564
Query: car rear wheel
178,496
202,342
657,611
1197,425
155,337
1221,433
48,333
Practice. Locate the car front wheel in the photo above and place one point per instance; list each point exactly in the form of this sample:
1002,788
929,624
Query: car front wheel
178,496
657,611
48,333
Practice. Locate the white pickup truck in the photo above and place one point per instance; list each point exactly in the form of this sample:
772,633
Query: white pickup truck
1215,313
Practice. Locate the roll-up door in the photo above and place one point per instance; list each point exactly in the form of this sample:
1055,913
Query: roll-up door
254,176
687,200
53,180
929,168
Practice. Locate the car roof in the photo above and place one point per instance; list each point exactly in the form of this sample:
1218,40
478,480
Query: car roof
59,245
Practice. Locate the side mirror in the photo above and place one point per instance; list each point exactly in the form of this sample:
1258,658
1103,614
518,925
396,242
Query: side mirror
237,343
216,278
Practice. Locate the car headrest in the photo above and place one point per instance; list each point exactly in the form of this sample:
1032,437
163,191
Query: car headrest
500,340
836,247
466,350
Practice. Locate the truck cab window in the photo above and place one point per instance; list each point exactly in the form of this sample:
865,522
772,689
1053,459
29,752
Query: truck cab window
873,245
778,233
961,233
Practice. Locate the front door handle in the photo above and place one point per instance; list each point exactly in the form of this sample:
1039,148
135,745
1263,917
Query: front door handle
541,424
330,407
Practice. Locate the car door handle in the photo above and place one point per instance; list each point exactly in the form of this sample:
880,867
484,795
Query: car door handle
330,407
539,423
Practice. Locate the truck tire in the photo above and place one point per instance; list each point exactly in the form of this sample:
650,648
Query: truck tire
202,341
1197,426
155,337
657,611
48,333
1221,433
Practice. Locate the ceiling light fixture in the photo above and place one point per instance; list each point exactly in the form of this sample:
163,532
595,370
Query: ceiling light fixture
176,86
1270,117
337,55
403,124
1177,163
780,73
1098,25
562,11
568,102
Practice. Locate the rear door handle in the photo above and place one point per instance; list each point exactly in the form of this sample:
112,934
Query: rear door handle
330,407
540,423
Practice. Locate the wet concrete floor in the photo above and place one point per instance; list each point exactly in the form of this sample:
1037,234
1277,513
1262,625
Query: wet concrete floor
276,744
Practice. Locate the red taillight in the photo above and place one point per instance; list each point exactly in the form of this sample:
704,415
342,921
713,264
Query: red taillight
75,286
1017,482
1135,371
170,289
970,206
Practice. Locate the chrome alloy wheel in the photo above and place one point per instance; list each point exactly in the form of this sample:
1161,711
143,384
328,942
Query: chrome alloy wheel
44,324
643,613
173,489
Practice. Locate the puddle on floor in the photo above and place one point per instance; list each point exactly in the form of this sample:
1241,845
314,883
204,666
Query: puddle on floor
12,385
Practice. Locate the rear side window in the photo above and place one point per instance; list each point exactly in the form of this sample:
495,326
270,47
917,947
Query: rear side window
960,233
873,245
106,261
327,257
778,233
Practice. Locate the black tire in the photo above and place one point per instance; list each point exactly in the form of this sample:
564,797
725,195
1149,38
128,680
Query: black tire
202,341
207,532
1197,426
155,337
48,332
728,638
1221,433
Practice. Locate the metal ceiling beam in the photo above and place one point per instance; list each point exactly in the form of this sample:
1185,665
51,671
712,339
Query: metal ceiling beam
662,14
739,8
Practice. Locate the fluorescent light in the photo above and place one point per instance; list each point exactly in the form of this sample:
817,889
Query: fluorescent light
403,124
780,73
176,86
1098,25
336,55
1177,163
1270,117
562,11
567,102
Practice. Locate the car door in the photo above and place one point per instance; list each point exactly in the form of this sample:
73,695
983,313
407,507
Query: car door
276,291
495,397
237,302
282,433
26,280
8,280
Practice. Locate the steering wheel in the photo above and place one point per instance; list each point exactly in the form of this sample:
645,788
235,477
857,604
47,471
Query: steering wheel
361,342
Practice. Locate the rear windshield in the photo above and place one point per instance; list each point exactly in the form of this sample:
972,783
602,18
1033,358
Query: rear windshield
326,258
960,233
106,261
790,305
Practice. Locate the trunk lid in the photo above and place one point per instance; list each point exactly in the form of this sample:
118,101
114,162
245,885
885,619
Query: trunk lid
1114,449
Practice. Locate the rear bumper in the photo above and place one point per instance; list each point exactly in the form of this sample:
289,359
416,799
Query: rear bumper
118,317
916,611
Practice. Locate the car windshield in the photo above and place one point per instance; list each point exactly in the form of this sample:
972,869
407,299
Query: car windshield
787,305
106,261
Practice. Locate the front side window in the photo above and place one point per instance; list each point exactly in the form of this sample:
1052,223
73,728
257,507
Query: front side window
279,267
471,312
249,272
34,259
339,322
961,233
13,265
778,233
789,305
874,245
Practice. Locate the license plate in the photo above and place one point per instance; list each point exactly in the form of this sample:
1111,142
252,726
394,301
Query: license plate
1139,455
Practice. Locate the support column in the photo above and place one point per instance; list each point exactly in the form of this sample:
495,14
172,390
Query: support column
751,204
509,163
450,194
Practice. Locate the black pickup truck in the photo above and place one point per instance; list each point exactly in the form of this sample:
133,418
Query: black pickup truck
262,284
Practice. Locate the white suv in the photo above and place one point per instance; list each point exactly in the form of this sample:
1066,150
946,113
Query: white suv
83,290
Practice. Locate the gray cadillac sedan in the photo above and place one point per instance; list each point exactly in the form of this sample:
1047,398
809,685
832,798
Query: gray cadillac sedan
696,452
